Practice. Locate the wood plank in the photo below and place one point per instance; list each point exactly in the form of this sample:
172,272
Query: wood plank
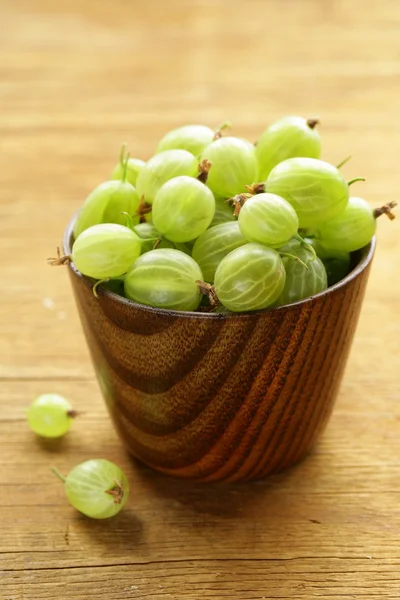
348,485
248,580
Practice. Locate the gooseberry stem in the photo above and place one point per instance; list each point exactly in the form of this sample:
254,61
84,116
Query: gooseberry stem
72,414
341,164
129,221
122,154
117,491
142,240
125,168
313,122
204,169
60,260
306,245
209,290
349,183
295,258
256,188
105,280
220,129
96,285
58,474
157,242
385,210
143,208
238,202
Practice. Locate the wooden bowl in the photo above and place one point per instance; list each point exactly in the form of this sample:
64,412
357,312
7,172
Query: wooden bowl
216,397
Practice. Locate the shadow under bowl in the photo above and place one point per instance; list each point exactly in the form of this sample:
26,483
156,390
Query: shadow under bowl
221,397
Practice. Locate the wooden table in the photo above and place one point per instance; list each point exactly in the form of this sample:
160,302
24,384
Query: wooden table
77,79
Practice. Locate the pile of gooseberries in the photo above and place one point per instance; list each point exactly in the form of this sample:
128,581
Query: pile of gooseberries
213,222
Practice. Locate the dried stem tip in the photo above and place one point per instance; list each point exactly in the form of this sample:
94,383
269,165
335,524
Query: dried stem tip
72,414
238,202
209,290
204,168
256,188
220,129
313,122
385,210
117,491
143,208
60,260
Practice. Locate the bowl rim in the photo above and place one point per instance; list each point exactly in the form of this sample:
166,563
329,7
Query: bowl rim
367,254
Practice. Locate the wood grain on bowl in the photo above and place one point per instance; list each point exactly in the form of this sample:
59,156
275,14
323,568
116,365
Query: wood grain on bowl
221,397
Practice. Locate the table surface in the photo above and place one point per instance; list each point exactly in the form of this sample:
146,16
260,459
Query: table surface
77,78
